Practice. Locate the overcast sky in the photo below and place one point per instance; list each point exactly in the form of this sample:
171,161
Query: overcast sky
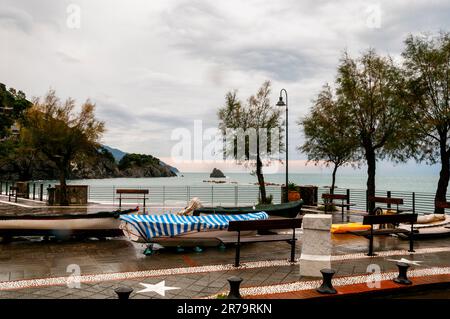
153,66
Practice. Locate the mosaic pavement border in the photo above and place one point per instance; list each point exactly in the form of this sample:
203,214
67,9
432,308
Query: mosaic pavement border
64,280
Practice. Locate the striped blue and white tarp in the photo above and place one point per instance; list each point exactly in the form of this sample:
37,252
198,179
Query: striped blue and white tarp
149,226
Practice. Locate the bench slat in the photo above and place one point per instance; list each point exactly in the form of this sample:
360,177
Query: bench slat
380,232
386,200
442,204
389,219
334,196
255,239
132,191
134,197
266,224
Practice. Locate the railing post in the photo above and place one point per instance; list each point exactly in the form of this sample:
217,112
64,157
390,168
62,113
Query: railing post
188,194
34,191
164,196
41,192
367,201
1,187
388,195
348,198
6,188
414,202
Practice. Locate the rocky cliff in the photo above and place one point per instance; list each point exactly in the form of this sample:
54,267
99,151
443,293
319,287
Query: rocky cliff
101,165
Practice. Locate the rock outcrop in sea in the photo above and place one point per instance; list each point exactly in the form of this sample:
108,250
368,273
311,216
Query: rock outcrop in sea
217,173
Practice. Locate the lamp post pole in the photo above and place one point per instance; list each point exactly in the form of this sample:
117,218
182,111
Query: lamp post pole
281,103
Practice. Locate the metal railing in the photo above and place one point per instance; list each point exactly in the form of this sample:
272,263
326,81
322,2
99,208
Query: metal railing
215,195
164,196
227,195
419,202
36,191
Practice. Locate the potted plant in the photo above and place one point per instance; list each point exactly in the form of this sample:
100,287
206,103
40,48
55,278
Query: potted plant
293,192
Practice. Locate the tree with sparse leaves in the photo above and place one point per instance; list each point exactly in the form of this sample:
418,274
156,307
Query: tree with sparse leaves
371,90
329,138
427,69
259,115
53,128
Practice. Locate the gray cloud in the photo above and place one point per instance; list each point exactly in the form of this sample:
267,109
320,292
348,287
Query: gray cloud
153,66
16,18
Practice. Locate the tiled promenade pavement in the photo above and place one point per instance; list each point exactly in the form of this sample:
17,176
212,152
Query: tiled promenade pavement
32,259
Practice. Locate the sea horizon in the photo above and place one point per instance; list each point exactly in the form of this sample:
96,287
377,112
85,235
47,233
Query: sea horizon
403,182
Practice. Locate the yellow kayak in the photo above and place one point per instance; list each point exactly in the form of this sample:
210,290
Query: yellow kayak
344,228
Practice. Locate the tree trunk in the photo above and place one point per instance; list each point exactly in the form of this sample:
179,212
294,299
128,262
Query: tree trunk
371,167
63,188
444,175
262,185
333,178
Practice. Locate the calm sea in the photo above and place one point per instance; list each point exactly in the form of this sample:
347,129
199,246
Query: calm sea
416,183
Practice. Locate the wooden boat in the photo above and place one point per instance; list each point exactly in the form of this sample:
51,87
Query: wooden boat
288,210
99,224
436,229
170,230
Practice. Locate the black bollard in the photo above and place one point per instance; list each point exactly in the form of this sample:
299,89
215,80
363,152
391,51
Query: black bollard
402,278
123,292
234,282
327,286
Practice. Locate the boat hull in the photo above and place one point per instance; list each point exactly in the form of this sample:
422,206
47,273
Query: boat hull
288,210
101,224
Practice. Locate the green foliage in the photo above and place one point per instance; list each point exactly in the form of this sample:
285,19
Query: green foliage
61,135
328,131
329,135
267,201
140,160
427,72
106,154
427,69
256,116
13,104
292,186
370,89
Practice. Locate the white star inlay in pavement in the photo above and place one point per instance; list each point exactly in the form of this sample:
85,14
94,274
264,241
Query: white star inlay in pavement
160,288
407,261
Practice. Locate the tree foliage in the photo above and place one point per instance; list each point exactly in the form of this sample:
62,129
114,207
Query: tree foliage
329,136
131,159
13,104
427,69
261,117
370,88
60,134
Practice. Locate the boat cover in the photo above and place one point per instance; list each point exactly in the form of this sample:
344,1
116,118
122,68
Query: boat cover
150,226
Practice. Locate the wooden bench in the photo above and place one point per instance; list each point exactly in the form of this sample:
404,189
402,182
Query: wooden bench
443,205
262,225
385,219
345,202
15,192
121,192
389,201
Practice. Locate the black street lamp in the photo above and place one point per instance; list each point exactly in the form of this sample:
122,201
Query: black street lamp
281,103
